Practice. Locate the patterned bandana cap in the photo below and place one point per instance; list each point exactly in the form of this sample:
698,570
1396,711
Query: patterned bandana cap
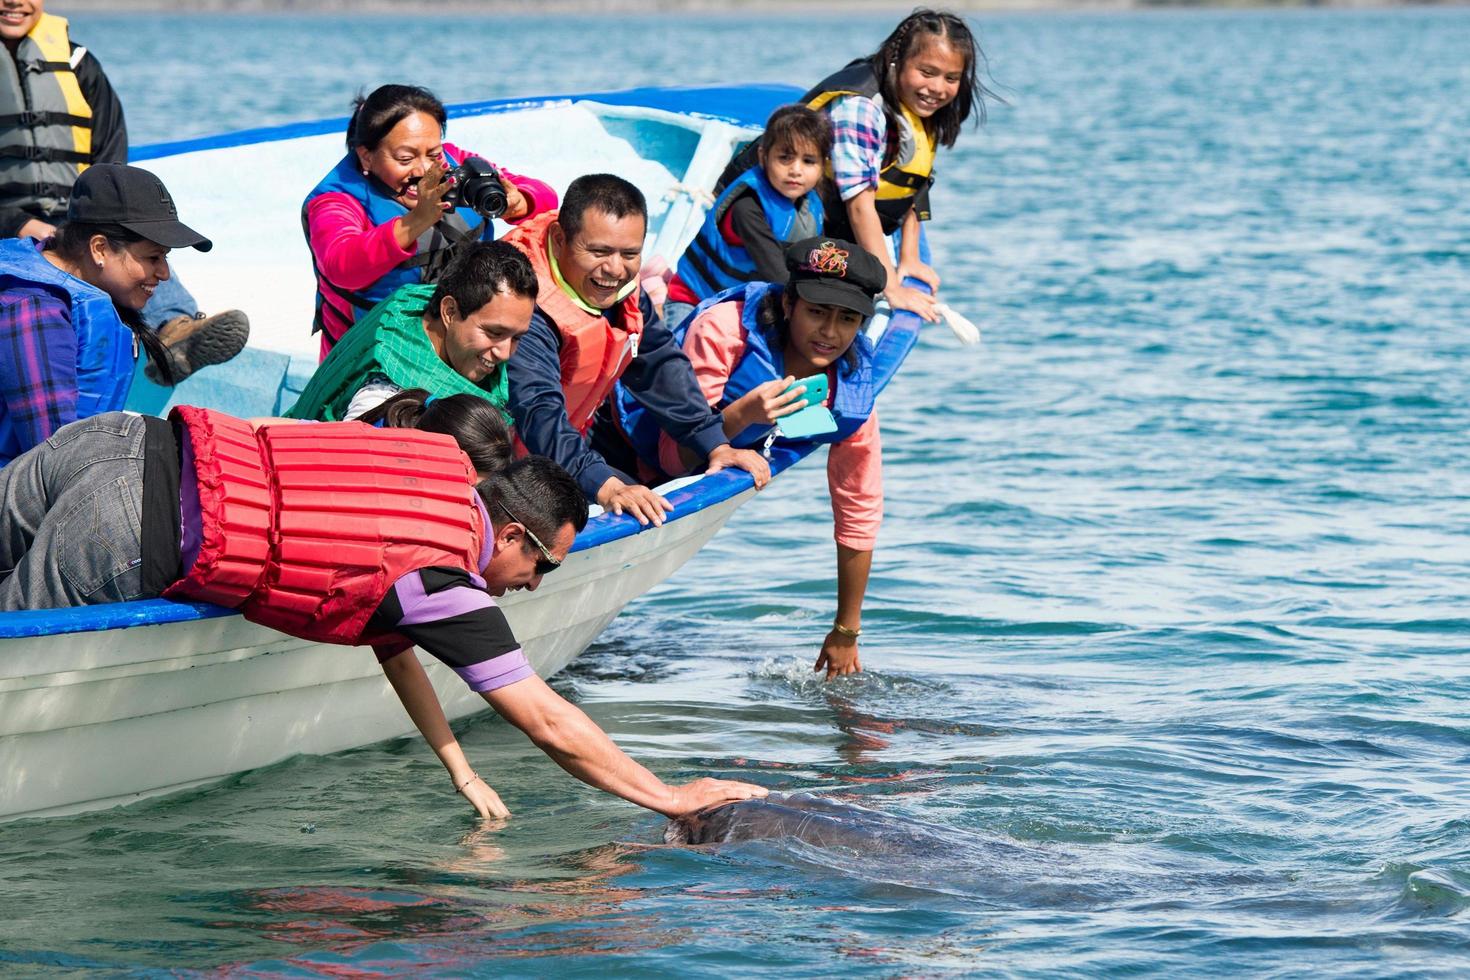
833,272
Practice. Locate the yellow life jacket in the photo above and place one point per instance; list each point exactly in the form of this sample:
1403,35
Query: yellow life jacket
45,121
905,181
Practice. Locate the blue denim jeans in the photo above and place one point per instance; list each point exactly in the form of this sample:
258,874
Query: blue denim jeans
71,517
169,301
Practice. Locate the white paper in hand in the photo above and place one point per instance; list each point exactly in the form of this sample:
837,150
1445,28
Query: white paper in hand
966,331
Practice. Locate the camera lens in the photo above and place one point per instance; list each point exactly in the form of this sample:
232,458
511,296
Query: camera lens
486,196
477,185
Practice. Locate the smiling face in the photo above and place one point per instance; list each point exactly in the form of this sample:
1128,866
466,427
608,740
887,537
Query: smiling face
477,343
17,17
602,258
404,155
793,170
930,78
128,275
513,566
818,335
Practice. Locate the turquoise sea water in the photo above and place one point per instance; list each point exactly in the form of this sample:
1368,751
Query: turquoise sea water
1167,631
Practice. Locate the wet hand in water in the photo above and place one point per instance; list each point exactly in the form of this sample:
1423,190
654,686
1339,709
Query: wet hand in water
647,507
839,656
704,793
484,799
748,460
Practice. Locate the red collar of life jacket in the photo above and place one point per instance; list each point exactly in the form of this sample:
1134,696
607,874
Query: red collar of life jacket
594,352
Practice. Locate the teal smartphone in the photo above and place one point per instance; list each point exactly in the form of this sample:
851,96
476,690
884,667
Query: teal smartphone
814,420
816,389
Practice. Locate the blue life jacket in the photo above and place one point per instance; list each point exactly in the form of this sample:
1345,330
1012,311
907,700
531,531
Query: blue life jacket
710,264
434,246
851,403
104,364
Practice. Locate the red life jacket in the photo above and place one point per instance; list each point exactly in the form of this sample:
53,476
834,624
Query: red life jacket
594,353
306,527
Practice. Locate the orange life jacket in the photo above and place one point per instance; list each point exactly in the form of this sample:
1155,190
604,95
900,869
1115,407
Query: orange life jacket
306,527
594,353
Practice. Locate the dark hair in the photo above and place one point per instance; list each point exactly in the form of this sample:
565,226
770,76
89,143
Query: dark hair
794,124
540,494
73,242
375,115
774,322
610,194
907,39
481,270
470,420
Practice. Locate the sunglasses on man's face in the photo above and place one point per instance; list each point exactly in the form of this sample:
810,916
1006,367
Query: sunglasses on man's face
546,564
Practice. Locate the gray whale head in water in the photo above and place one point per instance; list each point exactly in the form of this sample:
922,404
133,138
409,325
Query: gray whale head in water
812,819
879,847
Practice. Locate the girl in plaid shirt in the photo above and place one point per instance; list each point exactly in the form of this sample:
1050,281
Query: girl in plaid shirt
884,143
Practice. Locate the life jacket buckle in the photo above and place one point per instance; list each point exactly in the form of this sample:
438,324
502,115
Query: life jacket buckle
28,118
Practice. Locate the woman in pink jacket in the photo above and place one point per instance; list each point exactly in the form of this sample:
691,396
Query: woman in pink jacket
391,211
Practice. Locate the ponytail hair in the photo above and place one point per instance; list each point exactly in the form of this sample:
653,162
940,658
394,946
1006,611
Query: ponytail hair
73,242
909,38
471,421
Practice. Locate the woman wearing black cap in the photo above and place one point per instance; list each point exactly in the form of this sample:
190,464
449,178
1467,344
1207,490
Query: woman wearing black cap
749,345
69,324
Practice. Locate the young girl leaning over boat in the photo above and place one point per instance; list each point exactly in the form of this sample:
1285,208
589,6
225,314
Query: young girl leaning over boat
770,205
748,346
890,113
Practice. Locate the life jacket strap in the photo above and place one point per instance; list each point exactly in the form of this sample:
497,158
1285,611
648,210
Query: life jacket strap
38,67
39,189
44,153
910,181
30,120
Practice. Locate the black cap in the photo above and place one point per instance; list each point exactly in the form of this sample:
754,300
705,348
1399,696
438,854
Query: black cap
833,272
116,194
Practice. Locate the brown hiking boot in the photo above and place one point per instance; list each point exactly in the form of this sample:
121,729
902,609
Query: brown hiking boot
198,341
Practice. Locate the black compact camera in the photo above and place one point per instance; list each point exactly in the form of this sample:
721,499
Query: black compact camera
477,185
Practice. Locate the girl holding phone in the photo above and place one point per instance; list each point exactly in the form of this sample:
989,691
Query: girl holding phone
748,346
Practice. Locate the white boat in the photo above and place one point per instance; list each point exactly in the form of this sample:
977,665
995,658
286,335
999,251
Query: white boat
109,704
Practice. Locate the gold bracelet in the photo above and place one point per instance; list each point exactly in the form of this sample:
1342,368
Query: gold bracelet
461,786
847,631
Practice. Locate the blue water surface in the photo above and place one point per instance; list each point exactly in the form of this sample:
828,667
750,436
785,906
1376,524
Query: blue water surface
1167,631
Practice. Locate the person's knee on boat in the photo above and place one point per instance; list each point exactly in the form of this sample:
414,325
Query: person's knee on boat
69,306
380,218
450,337
428,583
592,326
762,211
749,347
